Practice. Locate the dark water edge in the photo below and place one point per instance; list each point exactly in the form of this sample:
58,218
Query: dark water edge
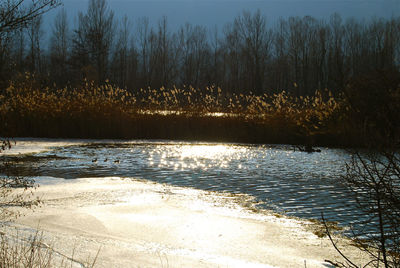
190,128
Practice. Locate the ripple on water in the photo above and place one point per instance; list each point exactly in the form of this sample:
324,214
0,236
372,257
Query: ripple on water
301,184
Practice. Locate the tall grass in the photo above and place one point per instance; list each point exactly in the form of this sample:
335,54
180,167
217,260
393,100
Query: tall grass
107,111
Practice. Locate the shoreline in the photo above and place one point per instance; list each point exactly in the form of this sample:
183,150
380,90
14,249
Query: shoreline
137,223
40,144
140,223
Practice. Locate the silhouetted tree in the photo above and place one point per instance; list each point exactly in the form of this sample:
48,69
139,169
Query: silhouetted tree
17,14
232,68
35,35
143,47
19,51
255,44
93,40
163,56
299,54
122,56
60,46
194,55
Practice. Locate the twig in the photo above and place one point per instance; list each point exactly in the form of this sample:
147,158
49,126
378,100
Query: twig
333,243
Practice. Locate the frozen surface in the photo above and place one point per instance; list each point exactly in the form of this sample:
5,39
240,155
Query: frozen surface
136,223
30,146
277,176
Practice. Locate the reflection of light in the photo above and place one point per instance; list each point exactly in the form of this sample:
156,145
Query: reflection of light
197,156
217,114
206,151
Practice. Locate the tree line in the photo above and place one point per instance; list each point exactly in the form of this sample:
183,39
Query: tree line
250,54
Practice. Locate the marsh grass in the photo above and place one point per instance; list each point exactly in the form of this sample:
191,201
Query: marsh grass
20,252
107,111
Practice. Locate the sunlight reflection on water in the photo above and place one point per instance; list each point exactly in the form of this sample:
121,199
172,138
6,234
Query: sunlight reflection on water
282,179
198,156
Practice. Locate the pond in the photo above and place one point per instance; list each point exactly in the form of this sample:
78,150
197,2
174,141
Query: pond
277,176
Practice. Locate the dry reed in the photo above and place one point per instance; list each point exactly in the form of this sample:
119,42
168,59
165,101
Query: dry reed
107,111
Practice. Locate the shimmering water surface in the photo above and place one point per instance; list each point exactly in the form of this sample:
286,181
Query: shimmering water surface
281,179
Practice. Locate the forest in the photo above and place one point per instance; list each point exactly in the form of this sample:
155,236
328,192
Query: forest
276,69
296,54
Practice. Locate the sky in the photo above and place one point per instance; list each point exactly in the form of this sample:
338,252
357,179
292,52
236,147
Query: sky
219,12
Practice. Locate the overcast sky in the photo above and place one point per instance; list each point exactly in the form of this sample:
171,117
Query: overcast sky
218,12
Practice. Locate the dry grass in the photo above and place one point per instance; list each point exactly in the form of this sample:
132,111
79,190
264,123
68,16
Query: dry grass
111,112
18,252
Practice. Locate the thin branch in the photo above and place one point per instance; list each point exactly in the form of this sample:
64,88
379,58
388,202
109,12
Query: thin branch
333,243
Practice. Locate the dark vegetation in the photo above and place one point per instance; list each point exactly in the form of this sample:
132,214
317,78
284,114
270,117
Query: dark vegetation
290,81
373,174
251,54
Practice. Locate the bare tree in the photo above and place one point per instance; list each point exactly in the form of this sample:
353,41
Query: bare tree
19,50
164,55
159,63
35,35
279,75
214,71
232,67
16,14
194,53
142,41
121,53
299,55
60,45
93,39
336,55
255,43
5,60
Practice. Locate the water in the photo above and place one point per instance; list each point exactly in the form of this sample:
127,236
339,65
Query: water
280,179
